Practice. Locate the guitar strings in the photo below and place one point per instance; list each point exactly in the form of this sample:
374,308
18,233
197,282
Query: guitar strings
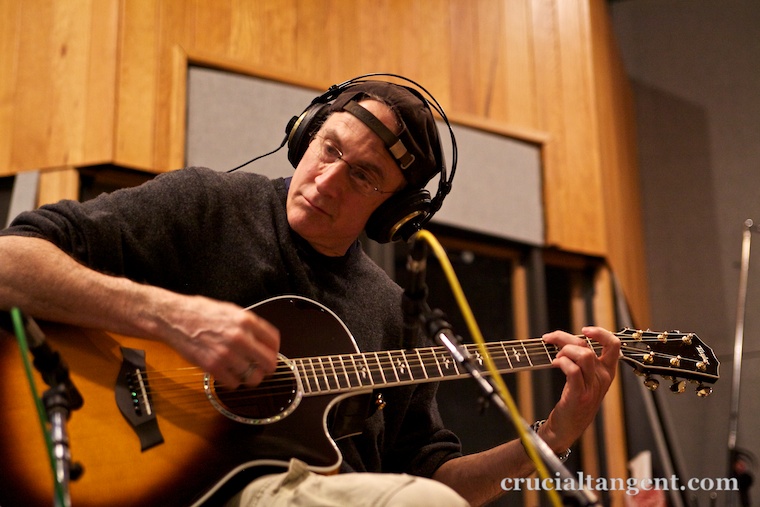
326,377
326,367
385,360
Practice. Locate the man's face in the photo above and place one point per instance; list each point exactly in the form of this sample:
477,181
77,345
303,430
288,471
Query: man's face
324,206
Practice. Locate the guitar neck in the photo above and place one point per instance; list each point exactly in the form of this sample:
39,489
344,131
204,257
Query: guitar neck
347,372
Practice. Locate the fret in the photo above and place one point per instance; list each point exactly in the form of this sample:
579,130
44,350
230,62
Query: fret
344,371
418,369
311,378
301,371
480,359
475,355
506,355
380,369
373,369
518,355
446,363
391,368
430,363
321,374
314,375
500,360
527,355
363,373
334,375
355,371
549,356
435,356
400,365
409,372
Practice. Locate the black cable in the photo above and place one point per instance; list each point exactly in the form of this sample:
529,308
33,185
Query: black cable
285,140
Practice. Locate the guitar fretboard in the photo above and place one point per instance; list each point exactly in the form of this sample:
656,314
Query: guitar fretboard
344,372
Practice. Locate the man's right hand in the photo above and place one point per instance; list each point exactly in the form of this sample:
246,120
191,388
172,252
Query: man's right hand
235,346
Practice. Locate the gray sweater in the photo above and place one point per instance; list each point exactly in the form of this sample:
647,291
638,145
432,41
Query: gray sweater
226,236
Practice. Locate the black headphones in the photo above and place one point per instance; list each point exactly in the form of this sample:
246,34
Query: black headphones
405,212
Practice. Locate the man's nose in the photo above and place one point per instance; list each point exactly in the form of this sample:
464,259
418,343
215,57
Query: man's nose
333,175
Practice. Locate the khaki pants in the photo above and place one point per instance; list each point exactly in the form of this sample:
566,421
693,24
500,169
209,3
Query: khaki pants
300,487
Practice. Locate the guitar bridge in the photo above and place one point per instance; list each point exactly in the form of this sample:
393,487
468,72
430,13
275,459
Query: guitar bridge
133,398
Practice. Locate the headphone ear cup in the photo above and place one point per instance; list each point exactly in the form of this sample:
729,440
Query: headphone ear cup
301,129
400,216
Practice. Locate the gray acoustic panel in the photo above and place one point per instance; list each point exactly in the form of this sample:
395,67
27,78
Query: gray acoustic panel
497,188
233,118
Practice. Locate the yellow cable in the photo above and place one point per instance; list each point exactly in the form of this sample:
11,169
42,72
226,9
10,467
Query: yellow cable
477,337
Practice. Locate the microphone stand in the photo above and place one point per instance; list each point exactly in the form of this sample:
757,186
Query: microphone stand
438,330
735,456
59,401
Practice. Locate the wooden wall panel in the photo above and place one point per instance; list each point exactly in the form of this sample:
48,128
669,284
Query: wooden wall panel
138,64
492,72
574,206
102,81
58,83
615,114
516,69
99,90
58,183
10,34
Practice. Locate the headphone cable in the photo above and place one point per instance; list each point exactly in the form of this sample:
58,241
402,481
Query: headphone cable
285,140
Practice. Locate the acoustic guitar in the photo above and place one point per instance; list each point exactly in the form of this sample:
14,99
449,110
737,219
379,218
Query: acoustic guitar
155,430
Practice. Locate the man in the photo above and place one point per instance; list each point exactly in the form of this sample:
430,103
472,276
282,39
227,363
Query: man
175,260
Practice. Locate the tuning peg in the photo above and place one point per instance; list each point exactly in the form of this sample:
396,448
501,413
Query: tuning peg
678,386
651,383
703,390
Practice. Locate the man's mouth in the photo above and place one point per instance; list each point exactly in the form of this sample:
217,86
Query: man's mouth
313,205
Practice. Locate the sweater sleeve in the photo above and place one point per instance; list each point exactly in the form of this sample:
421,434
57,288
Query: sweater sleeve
177,231
127,232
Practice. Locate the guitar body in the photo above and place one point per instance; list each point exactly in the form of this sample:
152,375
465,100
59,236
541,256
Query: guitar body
204,455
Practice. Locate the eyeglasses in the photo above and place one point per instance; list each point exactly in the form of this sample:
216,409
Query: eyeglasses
362,180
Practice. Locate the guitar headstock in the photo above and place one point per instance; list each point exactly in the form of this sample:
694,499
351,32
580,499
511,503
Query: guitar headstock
678,357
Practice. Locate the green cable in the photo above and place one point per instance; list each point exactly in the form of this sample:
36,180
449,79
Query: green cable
18,326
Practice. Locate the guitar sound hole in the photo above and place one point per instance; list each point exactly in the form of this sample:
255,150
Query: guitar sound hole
271,400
